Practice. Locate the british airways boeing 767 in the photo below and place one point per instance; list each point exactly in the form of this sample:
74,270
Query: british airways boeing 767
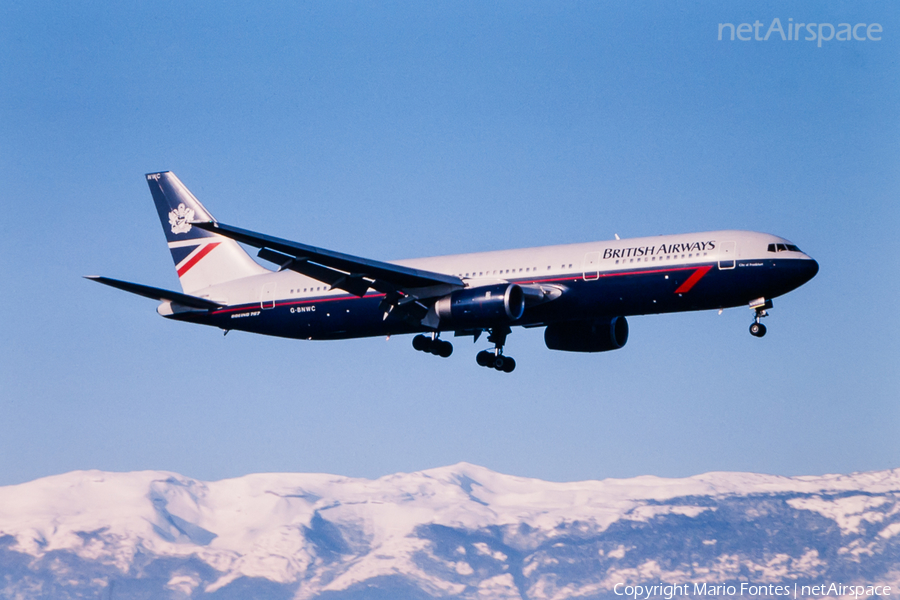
581,293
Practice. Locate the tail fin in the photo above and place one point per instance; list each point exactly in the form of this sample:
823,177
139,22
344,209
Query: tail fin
201,258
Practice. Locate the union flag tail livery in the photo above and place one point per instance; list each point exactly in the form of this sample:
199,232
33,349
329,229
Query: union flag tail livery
581,293
202,259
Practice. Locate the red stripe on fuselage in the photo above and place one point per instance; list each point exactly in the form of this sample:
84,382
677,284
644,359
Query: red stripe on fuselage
604,275
693,279
196,258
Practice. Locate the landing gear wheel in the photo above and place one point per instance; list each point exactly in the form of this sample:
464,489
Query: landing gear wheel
760,306
442,348
422,343
505,364
495,359
433,345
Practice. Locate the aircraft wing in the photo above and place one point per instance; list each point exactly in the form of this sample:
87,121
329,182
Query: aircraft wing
157,293
344,271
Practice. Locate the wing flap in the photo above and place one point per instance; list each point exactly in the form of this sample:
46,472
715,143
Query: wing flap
355,284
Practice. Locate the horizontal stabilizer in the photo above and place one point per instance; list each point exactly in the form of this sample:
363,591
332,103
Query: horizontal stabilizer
157,293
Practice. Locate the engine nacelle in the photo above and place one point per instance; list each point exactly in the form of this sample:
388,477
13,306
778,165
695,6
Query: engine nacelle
587,336
482,306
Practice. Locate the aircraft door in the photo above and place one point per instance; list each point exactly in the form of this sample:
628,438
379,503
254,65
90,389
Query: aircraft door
591,266
267,296
727,255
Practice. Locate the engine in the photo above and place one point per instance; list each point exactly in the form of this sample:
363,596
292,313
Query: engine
482,306
587,336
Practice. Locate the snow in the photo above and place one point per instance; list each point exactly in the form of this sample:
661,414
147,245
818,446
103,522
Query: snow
268,525
848,512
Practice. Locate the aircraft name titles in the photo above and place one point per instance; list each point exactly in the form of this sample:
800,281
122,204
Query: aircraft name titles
661,249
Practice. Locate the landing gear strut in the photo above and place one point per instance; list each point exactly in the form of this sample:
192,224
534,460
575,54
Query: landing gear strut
495,358
431,343
759,305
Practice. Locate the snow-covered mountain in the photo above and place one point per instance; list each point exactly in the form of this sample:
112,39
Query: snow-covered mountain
454,532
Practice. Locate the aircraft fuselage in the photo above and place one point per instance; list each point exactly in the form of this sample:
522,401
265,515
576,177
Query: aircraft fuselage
662,274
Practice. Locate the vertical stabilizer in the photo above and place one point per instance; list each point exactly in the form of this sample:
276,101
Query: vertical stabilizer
201,258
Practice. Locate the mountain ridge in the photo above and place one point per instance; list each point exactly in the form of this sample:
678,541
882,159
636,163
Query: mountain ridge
461,531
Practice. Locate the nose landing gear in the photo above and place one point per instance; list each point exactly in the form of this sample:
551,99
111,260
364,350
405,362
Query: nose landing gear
433,345
760,305
495,358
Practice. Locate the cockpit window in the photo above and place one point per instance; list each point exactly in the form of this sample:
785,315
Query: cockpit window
783,248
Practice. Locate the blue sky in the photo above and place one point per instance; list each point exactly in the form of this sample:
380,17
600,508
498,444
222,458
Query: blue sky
414,129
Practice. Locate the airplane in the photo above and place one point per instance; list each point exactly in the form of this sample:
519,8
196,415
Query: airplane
580,293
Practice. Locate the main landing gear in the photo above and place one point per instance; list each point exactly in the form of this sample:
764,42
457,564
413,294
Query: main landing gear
495,358
431,343
759,305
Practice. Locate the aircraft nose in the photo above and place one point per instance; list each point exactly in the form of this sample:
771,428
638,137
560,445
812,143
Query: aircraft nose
810,268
